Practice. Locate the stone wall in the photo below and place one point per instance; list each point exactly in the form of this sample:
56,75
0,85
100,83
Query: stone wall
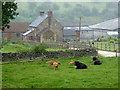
49,54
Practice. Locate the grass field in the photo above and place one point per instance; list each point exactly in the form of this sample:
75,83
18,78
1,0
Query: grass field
16,48
37,74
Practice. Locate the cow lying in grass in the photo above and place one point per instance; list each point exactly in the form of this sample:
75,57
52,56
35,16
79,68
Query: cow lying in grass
96,61
79,65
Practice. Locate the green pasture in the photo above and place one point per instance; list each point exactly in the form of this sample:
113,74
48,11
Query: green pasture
16,48
37,74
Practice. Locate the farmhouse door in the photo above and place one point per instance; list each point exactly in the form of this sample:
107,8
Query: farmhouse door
9,36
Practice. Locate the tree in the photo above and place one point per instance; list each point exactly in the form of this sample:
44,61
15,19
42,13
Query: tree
8,13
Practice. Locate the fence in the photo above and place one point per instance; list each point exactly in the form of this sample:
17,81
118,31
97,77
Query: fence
106,46
70,45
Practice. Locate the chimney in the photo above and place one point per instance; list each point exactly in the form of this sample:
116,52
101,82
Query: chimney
49,13
77,34
41,12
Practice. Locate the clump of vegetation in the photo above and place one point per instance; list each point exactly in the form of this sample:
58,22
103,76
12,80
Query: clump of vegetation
111,41
40,48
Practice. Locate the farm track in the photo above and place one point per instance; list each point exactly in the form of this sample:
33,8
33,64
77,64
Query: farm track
108,53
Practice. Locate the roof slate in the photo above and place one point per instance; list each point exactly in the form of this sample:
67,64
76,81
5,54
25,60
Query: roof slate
109,25
17,27
38,20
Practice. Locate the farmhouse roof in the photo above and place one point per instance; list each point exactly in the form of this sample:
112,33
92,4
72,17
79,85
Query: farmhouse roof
38,20
109,25
17,27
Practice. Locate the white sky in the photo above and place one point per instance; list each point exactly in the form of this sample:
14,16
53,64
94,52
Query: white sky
67,0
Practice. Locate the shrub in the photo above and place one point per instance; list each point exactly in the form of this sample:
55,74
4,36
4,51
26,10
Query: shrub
102,39
115,39
4,42
40,48
111,41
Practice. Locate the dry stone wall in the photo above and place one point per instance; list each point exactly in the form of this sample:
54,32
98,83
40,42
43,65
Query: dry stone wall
49,54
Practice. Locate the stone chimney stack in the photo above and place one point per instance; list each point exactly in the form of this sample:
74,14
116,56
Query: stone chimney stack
41,12
49,13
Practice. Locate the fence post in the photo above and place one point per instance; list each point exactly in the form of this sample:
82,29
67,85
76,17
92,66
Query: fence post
101,46
105,47
114,47
109,47
116,52
97,45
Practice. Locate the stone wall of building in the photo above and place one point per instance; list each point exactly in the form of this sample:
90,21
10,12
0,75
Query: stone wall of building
55,27
14,36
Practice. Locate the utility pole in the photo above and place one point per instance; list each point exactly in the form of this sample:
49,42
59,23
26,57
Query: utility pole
79,28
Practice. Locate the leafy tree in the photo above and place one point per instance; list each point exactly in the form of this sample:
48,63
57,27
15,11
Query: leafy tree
8,13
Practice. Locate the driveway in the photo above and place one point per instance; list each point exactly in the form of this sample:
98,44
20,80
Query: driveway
108,54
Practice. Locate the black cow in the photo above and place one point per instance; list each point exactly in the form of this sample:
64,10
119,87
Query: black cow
79,65
96,61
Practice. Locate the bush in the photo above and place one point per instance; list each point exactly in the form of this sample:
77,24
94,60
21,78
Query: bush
40,48
115,39
4,42
111,41
102,39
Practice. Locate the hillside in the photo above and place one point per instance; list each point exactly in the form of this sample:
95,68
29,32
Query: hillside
91,12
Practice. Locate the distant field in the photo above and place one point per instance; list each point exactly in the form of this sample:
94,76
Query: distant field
37,74
16,48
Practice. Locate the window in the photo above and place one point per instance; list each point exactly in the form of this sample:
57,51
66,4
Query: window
49,35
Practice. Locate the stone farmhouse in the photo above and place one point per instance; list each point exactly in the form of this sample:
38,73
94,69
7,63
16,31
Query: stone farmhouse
44,29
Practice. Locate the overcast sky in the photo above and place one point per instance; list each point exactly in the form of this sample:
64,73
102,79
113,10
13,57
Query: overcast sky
67,0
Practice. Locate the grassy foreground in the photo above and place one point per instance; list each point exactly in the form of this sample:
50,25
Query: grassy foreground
38,75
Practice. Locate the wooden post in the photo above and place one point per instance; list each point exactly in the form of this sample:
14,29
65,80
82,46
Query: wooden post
116,52
114,47
109,47
105,47
97,45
